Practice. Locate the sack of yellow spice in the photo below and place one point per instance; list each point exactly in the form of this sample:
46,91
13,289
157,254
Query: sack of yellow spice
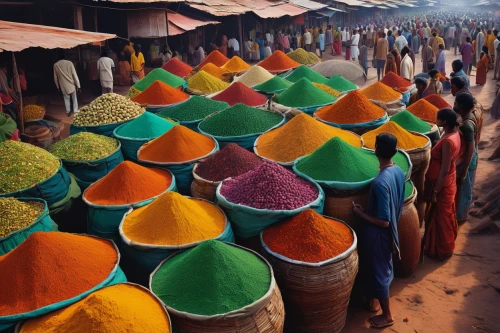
406,140
33,112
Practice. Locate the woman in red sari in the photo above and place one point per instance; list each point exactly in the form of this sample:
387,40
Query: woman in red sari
440,189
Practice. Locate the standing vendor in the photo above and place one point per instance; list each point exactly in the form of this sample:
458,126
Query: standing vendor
137,63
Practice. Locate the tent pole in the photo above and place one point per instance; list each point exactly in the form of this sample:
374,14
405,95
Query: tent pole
17,87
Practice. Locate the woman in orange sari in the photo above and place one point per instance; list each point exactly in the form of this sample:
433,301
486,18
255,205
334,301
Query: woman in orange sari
482,66
440,189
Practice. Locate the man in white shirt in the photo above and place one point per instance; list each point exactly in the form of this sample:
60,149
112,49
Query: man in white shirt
400,41
355,45
106,68
235,45
307,40
67,82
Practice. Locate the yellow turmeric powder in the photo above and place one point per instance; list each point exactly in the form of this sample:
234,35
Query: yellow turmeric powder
122,307
173,219
206,83
406,140
327,89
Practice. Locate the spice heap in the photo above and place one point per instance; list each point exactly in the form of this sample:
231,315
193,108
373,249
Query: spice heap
240,93
84,146
350,70
424,110
269,186
159,93
406,140
254,76
128,183
16,215
216,71
33,112
215,57
148,125
327,89
278,62
341,84
380,92
392,80
206,83
304,71
183,145
303,57
437,101
303,94
273,85
354,108
240,120
161,75
230,161
299,137
173,219
308,237
23,165
107,109
222,278
51,277
195,108
235,65
133,92
337,160
408,189
410,122
177,67
126,307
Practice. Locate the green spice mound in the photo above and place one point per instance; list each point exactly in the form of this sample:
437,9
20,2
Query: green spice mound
304,71
146,126
195,108
161,75
212,278
303,94
15,214
275,84
410,122
84,146
23,165
338,83
240,120
408,189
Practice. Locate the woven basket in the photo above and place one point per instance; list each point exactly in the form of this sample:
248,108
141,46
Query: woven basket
202,188
338,204
433,134
316,296
35,119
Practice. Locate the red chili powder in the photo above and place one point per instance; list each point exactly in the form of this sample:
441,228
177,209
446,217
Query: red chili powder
395,81
177,67
437,101
278,62
239,93
159,93
308,237
216,58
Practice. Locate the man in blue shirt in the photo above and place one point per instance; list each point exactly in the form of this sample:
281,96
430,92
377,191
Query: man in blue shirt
380,230
390,39
457,66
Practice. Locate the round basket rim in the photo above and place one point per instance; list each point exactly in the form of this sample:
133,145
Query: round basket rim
44,213
413,194
195,176
118,149
117,123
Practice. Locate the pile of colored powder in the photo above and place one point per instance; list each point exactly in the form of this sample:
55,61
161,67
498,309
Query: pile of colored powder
278,62
240,93
254,76
230,161
408,189
206,83
273,85
380,92
354,108
327,89
183,145
173,219
298,137
23,165
148,125
177,67
195,108
216,58
339,83
337,160
308,237
235,65
16,215
303,57
161,75
410,122
218,72
84,146
159,93
304,71
269,186
303,94
393,80
240,120
437,101
406,140
424,110
50,267
212,278
128,183
128,307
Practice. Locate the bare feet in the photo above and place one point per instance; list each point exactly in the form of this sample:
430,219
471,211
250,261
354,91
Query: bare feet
380,321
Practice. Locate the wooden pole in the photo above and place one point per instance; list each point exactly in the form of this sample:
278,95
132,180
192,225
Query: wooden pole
17,87
240,28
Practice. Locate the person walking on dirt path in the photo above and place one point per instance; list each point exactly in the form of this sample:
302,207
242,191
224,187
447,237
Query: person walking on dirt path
67,82
106,68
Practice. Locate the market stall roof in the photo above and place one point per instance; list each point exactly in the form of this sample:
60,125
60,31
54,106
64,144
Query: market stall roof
187,23
144,1
19,36
312,5
351,2
326,12
231,7
336,9
280,11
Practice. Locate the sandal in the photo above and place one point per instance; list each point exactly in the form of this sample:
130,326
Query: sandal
383,324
